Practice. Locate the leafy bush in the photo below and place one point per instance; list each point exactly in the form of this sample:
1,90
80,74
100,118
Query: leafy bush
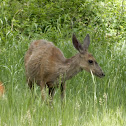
29,17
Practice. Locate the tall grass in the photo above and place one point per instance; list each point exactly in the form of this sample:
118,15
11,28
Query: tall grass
90,101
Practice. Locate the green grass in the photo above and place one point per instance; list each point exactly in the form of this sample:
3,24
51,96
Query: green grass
90,101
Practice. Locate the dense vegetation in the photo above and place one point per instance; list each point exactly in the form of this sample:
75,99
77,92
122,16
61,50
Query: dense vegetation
90,101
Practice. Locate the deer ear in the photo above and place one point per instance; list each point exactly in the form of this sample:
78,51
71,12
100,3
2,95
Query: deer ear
77,44
86,42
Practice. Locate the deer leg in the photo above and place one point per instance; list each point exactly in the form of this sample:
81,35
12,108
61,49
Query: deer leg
51,92
62,88
30,84
42,85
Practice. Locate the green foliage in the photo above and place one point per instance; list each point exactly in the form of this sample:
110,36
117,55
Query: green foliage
28,17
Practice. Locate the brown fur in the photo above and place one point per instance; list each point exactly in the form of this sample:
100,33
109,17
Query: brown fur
45,64
2,89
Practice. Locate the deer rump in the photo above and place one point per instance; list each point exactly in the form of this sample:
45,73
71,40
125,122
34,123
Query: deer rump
44,62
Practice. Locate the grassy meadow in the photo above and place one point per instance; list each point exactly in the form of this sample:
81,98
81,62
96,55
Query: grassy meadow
90,101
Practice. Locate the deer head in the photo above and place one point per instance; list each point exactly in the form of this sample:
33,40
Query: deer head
86,60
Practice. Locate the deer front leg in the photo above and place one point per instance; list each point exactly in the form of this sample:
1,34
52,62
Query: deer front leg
63,87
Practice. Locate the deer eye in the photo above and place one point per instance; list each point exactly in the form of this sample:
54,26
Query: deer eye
90,61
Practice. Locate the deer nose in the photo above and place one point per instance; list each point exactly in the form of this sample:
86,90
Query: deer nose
103,74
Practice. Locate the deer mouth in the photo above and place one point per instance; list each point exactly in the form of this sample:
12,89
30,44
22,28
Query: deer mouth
99,75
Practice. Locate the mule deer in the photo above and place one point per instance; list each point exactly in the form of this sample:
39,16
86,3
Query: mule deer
45,64
2,89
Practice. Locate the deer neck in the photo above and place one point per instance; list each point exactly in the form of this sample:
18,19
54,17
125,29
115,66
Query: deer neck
73,67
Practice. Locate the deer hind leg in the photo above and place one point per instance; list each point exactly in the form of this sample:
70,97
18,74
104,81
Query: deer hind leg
62,88
30,84
51,93
43,93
